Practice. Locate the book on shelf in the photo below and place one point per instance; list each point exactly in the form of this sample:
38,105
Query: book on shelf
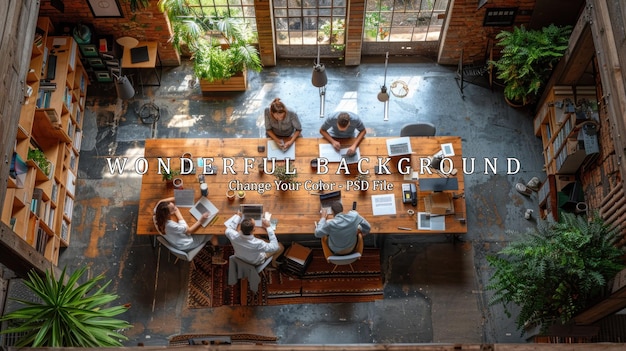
35,204
18,170
64,230
50,221
38,39
55,190
68,208
42,241
44,63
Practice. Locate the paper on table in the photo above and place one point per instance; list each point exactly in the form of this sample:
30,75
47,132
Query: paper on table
328,152
275,151
383,204
232,222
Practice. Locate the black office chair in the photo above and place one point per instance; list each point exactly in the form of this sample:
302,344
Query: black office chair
418,129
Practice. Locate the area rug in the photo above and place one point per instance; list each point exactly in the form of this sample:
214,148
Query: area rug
208,284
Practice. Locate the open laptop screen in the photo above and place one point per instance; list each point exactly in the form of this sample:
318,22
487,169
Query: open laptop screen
254,211
326,200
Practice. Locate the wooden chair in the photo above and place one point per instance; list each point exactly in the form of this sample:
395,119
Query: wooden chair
418,129
339,260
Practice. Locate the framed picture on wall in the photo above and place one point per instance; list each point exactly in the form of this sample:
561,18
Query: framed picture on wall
105,8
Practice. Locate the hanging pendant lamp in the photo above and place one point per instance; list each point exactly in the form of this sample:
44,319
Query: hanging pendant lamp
319,80
383,96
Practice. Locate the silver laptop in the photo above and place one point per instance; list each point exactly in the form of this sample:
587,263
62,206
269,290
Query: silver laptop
254,211
184,197
399,146
326,200
204,205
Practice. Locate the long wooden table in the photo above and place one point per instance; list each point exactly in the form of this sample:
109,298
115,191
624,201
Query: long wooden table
296,210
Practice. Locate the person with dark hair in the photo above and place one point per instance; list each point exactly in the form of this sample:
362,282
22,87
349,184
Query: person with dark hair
342,125
342,229
177,232
282,125
247,246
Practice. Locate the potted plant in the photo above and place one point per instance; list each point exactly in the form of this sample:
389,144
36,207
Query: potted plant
67,314
168,177
40,160
528,57
220,46
555,270
280,172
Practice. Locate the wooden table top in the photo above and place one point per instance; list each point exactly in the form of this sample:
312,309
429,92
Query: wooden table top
297,209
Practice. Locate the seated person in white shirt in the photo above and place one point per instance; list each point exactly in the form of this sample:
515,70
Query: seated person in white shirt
249,248
177,232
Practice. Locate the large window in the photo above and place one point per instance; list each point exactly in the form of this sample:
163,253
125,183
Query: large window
243,9
403,20
310,22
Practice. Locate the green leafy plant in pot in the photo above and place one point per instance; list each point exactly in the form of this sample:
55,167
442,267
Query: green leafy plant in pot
40,159
280,172
219,45
528,57
67,314
556,270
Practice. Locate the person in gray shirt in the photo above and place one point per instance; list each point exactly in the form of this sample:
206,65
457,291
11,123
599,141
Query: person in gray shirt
342,229
343,125
282,125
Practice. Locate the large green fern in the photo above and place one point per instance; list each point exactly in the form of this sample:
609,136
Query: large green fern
555,270
528,57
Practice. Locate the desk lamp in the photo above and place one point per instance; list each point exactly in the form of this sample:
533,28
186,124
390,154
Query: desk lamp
319,80
123,87
383,96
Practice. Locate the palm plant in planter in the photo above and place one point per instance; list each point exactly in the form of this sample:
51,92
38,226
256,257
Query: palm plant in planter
528,57
68,314
220,46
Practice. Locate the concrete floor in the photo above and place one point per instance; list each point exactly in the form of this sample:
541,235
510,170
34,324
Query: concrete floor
434,285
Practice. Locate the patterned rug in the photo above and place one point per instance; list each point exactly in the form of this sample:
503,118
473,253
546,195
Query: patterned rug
208,284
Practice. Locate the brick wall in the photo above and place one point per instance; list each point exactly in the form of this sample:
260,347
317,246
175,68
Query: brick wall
148,24
465,31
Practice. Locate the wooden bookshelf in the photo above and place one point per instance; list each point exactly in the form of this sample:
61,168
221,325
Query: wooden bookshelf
38,205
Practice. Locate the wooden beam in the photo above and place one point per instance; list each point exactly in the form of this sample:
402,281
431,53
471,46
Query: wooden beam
19,256
608,306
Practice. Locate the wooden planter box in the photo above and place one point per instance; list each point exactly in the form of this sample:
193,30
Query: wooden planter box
238,82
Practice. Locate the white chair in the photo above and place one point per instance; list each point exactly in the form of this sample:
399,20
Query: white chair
182,255
418,129
348,259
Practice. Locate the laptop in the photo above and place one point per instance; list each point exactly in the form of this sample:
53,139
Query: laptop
204,205
399,146
184,197
326,200
139,54
254,211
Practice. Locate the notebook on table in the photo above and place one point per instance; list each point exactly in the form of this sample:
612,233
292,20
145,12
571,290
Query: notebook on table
399,146
204,205
326,200
254,211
